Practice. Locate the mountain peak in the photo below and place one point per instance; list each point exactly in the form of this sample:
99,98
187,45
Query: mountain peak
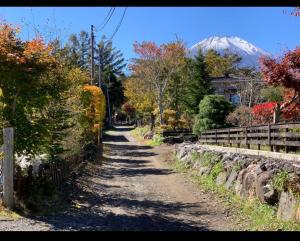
233,44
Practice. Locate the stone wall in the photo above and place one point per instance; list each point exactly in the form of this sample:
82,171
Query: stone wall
249,176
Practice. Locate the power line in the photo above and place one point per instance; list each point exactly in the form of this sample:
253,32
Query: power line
108,17
105,18
117,28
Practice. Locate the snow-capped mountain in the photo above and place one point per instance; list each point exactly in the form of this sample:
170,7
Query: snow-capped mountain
249,53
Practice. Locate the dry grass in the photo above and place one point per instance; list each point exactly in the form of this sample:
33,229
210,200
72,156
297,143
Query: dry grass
5,213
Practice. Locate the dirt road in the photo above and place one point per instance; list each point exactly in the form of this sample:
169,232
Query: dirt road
133,189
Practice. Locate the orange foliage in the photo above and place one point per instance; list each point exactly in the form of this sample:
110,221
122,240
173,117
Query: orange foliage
96,109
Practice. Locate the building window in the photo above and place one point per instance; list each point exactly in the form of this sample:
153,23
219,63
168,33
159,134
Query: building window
235,99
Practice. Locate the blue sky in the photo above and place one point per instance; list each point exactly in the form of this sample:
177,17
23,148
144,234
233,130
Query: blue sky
266,27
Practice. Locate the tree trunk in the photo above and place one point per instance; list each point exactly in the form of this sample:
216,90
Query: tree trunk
276,119
161,109
152,122
276,114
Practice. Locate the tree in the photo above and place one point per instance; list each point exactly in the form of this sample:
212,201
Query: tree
84,50
157,66
28,82
273,94
285,73
111,60
140,95
213,110
94,105
240,116
221,65
198,85
116,92
264,113
129,110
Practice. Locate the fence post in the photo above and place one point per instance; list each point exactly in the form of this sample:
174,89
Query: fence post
246,138
285,140
229,137
216,137
269,137
8,167
238,139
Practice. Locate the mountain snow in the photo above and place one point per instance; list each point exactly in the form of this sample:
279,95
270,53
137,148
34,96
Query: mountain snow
250,54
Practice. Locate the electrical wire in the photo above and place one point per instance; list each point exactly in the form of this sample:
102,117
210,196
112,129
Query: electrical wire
108,17
118,26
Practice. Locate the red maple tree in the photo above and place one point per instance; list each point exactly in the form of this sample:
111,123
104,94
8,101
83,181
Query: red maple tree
284,72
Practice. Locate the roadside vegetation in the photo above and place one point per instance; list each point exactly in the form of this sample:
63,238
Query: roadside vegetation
57,115
252,215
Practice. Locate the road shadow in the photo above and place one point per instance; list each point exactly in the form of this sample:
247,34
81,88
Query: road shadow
84,212
128,147
111,138
91,200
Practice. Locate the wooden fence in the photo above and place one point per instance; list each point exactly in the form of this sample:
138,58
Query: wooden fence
176,132
273,136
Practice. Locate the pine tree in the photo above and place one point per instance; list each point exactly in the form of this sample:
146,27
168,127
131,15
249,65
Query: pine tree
116,92
111,60
198,85
84,42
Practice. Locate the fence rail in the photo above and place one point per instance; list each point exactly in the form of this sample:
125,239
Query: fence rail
274,136
176,132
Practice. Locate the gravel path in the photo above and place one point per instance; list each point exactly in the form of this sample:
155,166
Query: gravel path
133,189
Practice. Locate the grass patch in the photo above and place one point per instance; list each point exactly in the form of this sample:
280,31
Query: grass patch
157,140
5,213
279,181
251,214
139,132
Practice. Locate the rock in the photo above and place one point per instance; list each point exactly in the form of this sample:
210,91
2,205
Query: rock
231,179
288,204
149,135
264,190
245,186
297,169
203,170
221,178
226,157
288,167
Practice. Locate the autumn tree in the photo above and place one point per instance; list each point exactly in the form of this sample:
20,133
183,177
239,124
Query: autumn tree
221,65
26,87
285,73
140,95
129,110
94,105
156,66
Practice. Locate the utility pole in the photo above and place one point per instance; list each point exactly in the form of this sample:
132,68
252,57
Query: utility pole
109,114
99,67
92,54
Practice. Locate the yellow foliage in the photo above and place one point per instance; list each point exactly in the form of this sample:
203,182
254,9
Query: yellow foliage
140,95
96,109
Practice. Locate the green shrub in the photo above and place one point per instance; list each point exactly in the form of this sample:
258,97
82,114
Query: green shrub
213,110
216,170
280,180
157,139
